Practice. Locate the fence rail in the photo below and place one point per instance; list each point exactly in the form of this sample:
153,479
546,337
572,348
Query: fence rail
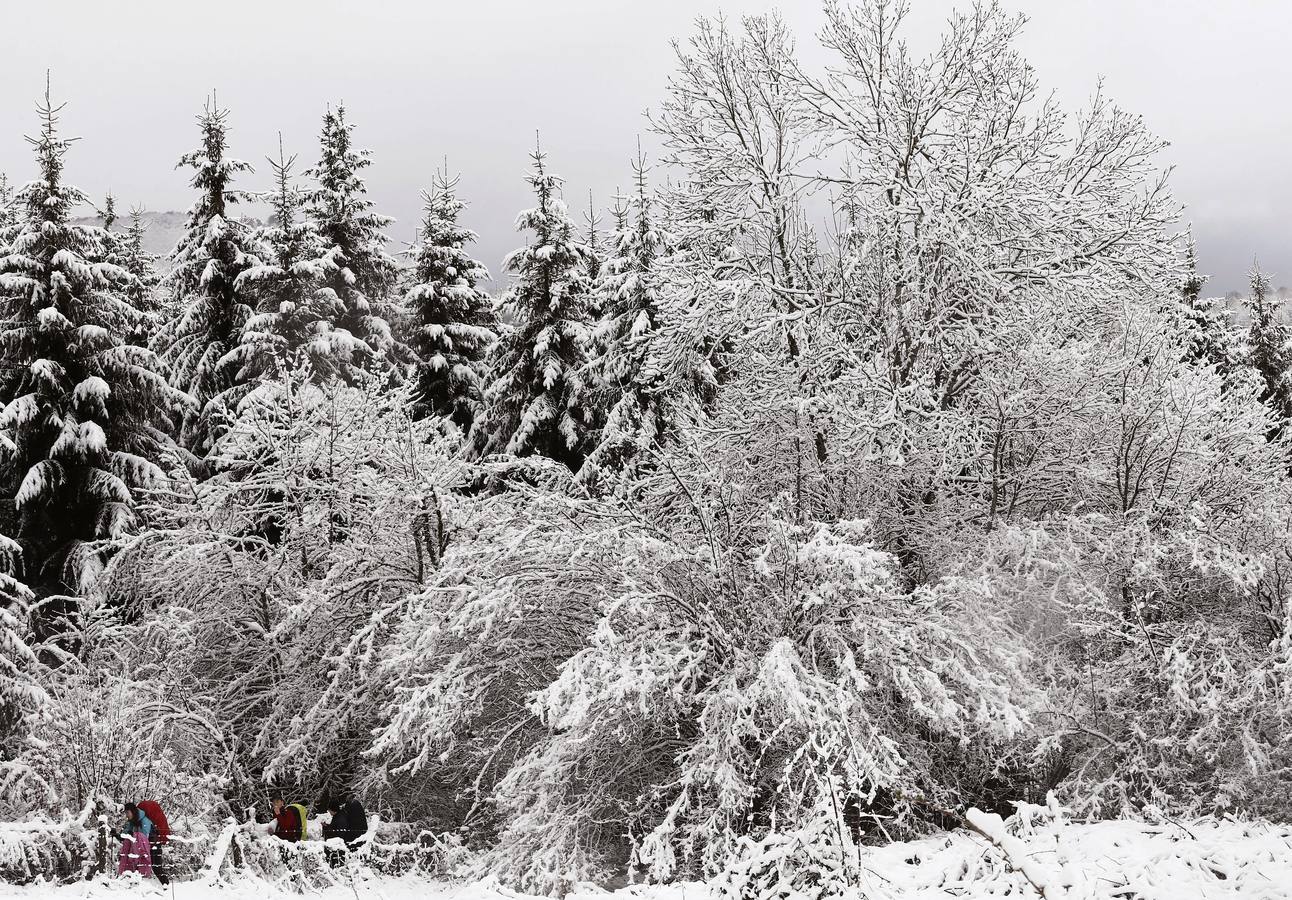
77,850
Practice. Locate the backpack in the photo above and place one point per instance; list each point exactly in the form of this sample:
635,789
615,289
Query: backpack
161,828
300,814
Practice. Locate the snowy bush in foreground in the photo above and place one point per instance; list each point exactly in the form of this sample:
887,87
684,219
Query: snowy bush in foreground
111,738
263,593
687,684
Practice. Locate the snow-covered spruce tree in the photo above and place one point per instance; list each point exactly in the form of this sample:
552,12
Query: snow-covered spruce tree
625,377
1212,338
363,276
8,207
209,312
109,212
536,402
125,249
452,321
1269,346
134,323
143,291
619,213
592,257
295,315
85,413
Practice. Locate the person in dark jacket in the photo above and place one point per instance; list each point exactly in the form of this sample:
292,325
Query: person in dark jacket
287,821
348,822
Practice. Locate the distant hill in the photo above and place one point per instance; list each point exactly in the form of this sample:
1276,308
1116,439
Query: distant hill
164,228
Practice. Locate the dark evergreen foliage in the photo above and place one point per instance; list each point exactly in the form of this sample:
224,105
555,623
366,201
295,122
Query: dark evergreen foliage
206,262
452,320
85,412
536,402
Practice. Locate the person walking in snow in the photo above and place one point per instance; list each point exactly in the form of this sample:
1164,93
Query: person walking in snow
158,837
136,855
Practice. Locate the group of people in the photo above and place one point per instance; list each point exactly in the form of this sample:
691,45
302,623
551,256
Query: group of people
147,832
345,819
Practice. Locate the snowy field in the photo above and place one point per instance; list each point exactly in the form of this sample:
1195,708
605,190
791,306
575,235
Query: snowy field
1121,859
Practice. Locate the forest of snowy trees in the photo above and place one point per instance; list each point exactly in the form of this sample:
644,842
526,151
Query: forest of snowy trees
879,455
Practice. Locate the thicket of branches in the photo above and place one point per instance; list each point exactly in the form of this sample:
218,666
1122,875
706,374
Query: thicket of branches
742,524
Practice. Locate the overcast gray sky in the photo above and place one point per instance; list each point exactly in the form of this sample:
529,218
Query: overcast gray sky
472,80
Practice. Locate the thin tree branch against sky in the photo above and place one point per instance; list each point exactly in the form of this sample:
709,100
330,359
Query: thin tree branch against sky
471,82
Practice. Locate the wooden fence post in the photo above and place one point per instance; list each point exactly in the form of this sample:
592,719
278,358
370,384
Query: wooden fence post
103,857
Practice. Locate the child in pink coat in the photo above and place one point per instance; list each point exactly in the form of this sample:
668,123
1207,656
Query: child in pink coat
135,856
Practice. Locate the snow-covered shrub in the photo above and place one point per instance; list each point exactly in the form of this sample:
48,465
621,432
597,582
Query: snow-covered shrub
263,594
486,630
1134,541
113,738
690,679
816,860
22,692
44,849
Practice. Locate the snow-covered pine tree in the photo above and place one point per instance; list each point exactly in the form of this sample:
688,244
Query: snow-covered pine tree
213,250
624,376
109,212
453,322
535,403
619,210
8,208
85,413
592,243
142,266
295,312
125,250
364,275
1269,346
1210,333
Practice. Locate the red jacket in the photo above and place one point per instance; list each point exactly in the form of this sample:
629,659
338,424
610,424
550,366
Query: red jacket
287,824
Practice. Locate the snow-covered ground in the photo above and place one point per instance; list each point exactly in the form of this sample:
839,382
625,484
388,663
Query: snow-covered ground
1121,859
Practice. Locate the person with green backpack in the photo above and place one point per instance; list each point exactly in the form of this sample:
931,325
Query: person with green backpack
290,820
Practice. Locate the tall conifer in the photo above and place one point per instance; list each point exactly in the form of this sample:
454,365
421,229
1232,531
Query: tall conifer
453,323
84,412
536,402
211,311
